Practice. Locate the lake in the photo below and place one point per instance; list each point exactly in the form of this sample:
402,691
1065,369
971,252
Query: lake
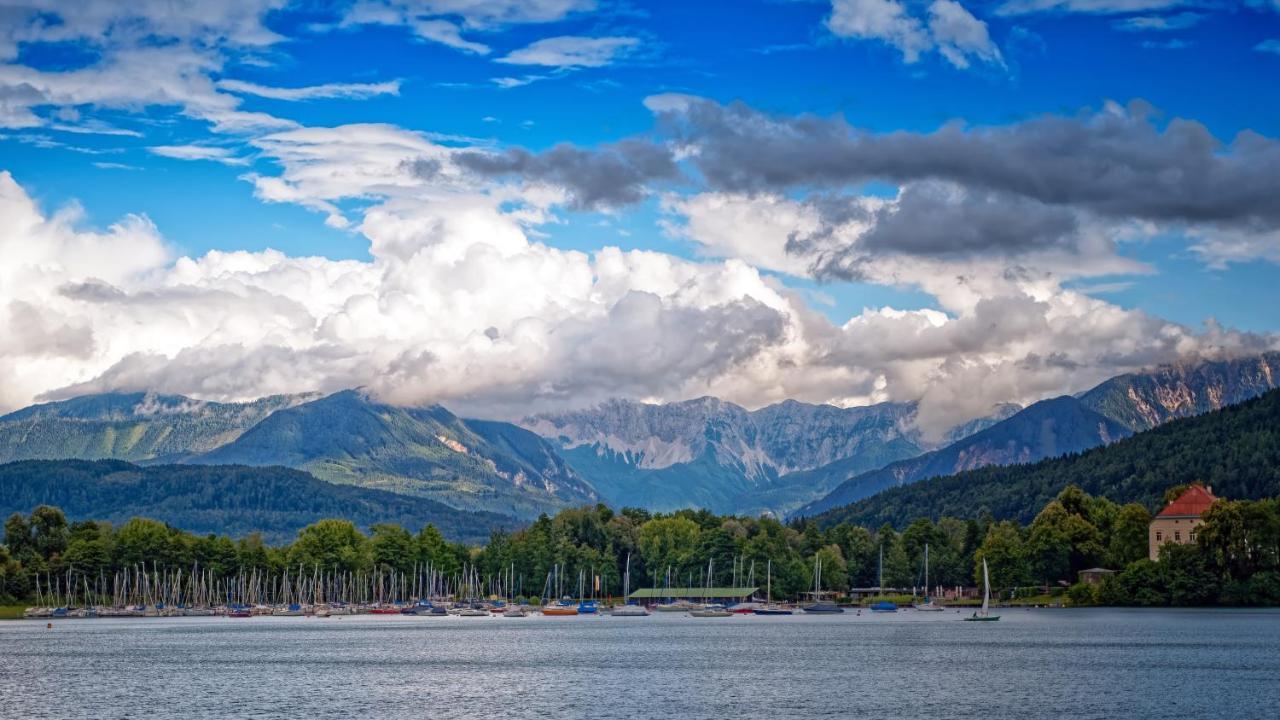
1092,663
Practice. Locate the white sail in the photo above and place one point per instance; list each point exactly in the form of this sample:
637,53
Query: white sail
986,588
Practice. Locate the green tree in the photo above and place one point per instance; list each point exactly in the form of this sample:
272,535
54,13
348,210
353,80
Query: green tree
49,531
434,550
835,573
1128,536
330,545
393,548
669,542
143,541
1006,556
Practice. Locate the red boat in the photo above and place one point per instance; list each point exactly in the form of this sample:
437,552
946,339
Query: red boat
391,610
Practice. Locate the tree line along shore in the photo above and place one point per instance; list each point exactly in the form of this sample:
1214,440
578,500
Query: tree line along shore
1235,559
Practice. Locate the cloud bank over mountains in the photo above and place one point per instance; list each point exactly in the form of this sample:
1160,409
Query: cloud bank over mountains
462,301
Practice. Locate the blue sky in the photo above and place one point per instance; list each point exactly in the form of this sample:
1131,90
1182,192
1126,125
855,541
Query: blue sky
885,66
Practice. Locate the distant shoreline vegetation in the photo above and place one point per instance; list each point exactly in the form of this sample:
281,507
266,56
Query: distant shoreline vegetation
1235,561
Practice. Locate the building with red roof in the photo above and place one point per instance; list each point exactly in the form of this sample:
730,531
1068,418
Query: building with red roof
1178,521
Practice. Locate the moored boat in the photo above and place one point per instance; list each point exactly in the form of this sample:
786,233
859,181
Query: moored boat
710,611
928,605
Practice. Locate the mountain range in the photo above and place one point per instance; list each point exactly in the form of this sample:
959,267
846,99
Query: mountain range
1234,450
1115,409
788,458
714,454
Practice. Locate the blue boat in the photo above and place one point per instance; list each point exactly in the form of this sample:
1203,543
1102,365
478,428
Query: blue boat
884,606
587,607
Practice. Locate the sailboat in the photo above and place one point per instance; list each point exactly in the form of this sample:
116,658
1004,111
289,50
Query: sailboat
628,608
818,606
710,610
928,605
565,606
984,615
884,606
772,608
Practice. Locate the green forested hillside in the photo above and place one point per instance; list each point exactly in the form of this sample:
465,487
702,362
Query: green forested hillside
1235,450
1045,429
222,499
429,452
138,427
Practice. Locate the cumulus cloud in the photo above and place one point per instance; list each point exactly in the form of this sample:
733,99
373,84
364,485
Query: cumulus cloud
458,305
569,51
947,27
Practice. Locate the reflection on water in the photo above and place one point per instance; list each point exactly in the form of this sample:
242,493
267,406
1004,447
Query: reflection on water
1042,663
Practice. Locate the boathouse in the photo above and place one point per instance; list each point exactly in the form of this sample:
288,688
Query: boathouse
1094,576
1178,521
713,594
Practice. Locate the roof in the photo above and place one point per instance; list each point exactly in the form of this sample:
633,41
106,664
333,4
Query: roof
697,592
1097,570
1191,503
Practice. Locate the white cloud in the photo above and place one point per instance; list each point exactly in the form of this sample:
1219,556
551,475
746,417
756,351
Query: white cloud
886,20
110,23
1096,7
198,152
569,51
130,79
959,35
1268,46
1158,23
351,91
506,83
443,21
949,28
458,305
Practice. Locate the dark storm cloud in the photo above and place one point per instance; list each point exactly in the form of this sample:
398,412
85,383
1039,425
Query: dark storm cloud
931,219
1119,164
609,176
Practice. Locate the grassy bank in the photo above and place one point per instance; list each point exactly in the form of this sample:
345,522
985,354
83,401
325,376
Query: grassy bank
11,612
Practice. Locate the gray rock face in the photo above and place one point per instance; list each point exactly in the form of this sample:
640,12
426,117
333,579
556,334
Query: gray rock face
1142,401
711,453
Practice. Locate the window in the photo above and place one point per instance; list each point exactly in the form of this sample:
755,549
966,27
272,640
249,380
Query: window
1159,536
1192,536
1177,536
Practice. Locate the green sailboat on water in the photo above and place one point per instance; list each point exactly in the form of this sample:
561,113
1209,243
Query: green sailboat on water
984,615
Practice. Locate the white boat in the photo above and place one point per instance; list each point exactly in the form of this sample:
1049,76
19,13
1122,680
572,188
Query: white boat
515,611
984,615
627,609
711,611
928,605
771,608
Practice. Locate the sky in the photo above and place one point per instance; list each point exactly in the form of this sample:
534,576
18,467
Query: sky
509,207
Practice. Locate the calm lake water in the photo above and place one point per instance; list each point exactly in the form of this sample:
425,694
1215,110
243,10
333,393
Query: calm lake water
1031,664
